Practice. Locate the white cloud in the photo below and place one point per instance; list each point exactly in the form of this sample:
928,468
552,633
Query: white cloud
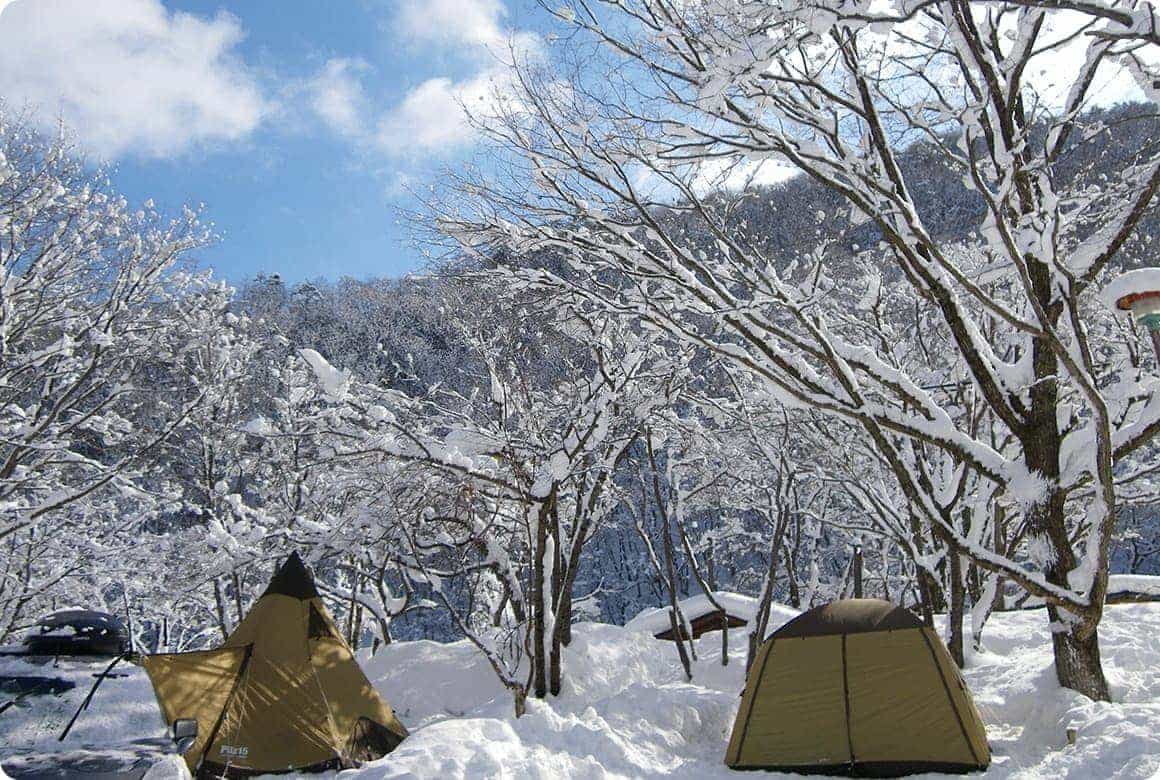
736,175
428,119
336,95
474,22
432,120
128,76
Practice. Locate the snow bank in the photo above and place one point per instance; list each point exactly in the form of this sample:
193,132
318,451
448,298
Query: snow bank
625,711
428,681
656,619
1027,714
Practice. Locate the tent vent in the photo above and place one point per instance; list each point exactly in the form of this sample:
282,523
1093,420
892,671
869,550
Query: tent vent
318,627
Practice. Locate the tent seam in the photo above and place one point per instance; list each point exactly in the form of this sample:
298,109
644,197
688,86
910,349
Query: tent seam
846,702
242,669
753,701
950,698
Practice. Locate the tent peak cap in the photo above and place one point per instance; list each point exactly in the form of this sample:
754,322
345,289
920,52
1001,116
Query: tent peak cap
292,579
849,616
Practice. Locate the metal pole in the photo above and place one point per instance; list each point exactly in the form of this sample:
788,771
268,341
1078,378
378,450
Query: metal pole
858,571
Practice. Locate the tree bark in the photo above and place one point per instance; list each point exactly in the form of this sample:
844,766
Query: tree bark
857,564
955,614
519,699
539,627
677,628
219,602
1077,661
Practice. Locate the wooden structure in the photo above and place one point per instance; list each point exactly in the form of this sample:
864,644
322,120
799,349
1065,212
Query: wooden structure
701,624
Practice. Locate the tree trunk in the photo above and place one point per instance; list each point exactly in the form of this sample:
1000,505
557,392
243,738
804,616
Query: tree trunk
857,565
676,618
724,639
926,600
237,584
1077,661
564,614
795,594
561,625
761,618
1077,657
350,608
519,699
676,629
219,602
539,661
955,615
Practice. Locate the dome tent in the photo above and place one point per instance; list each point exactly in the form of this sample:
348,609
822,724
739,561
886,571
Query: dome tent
858,687
283,693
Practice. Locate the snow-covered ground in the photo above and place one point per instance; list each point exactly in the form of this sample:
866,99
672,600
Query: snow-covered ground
627,712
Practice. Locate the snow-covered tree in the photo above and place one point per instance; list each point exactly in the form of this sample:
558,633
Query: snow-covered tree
609,173
92,301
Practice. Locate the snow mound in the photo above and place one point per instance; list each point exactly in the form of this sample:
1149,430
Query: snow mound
656,619
625,711
168,768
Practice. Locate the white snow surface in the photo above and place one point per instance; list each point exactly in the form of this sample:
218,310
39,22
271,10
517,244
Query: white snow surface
334,381
627,711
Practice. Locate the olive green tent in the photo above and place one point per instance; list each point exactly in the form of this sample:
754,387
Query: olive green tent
857,687
283,693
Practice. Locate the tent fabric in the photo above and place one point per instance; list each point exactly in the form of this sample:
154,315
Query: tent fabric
284,692
865,702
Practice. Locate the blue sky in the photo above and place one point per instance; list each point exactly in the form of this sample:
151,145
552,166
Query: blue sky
299,124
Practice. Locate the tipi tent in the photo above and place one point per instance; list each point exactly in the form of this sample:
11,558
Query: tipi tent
857,687
283,693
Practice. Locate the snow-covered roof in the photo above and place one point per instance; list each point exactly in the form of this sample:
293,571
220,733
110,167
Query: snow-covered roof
1148,584
82,618
1142,280
656,619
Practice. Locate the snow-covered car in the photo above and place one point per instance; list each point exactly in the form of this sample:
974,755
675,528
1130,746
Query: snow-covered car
78,632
